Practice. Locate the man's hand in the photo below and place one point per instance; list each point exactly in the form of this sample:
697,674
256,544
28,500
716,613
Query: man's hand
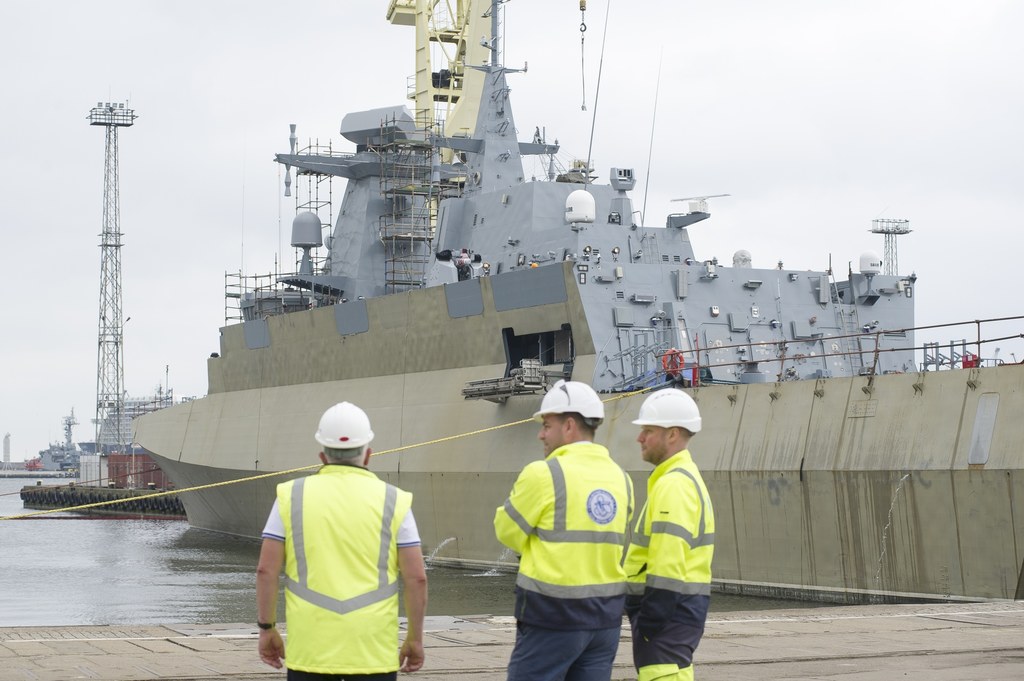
411,656
272,648
414,579
267,573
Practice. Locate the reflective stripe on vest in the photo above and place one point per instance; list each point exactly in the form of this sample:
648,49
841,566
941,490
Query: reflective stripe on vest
702,538
679,586
563,591
300,587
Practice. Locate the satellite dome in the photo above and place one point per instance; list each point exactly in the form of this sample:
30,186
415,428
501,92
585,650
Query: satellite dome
580,207
870,263
306,231
741,259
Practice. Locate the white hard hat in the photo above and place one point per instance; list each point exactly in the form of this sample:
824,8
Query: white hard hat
670,408
344,426
571,397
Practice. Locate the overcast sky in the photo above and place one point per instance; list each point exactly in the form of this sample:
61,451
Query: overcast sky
816,116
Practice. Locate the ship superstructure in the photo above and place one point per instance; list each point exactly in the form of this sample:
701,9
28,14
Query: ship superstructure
408,220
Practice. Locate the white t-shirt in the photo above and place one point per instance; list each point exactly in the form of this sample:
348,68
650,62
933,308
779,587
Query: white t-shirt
408,534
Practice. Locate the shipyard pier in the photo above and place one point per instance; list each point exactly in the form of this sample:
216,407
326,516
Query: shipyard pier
180,601
871,643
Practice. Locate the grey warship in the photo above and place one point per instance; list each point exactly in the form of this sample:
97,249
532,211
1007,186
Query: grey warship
452,289
60,456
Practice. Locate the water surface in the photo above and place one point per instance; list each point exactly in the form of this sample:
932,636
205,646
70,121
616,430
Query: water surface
65,570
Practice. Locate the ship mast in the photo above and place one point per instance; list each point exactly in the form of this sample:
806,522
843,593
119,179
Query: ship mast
495,35
891,229
69,422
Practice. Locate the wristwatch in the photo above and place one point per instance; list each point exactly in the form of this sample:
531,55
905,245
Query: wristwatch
266,625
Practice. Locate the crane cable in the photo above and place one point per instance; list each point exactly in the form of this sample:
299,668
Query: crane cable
583,59
597,93
650,147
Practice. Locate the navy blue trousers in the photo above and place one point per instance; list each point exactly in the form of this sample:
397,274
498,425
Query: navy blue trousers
555,655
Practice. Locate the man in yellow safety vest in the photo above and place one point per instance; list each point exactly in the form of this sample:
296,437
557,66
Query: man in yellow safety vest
343,537
567,516
668,561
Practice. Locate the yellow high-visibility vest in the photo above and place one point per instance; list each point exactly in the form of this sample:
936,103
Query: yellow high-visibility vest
567,516
341,569
674,536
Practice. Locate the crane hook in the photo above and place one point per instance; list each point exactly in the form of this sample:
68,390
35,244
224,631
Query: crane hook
583,60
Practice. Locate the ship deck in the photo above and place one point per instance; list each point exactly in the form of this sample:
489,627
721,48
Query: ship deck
937,642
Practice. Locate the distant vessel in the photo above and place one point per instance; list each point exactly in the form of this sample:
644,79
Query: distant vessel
59,456
115,436
455,290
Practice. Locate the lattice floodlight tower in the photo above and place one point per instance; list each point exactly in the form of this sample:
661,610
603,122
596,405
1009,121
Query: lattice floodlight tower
111,429
891,229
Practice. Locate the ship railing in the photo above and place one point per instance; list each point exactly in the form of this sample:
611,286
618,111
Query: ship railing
258,296
983,351
970,354
638,355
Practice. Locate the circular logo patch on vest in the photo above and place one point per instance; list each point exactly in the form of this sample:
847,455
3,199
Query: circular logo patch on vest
601,506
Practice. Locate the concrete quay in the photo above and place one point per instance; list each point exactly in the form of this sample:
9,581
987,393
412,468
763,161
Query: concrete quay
934,642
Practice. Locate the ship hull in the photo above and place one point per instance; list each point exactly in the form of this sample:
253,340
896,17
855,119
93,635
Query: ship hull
845,489
848,490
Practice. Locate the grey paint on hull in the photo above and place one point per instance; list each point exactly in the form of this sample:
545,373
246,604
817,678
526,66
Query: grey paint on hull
351,318
464,299
528,288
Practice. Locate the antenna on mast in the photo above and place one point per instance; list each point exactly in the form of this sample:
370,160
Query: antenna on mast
891,229
699,204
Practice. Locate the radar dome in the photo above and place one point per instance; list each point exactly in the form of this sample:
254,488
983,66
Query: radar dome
870,263
580,207
741,258
306,231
